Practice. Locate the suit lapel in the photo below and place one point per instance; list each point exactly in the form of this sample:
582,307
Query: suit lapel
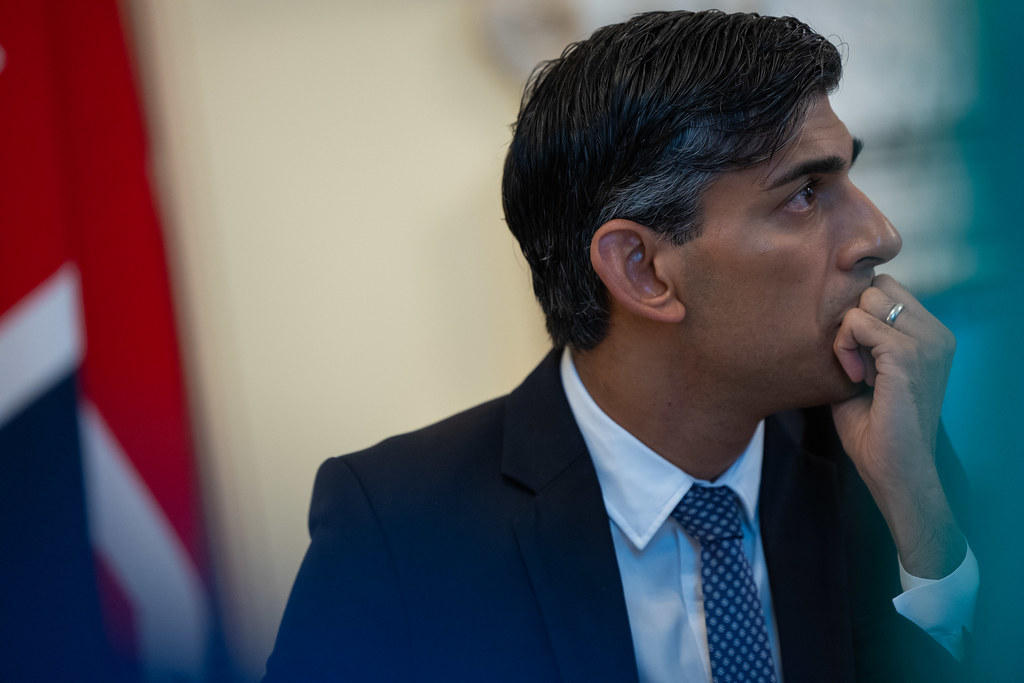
800,519
566,545
563,533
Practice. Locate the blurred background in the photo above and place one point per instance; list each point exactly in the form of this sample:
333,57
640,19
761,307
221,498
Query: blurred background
325,199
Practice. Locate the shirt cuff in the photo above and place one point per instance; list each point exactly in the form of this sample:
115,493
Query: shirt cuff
944,607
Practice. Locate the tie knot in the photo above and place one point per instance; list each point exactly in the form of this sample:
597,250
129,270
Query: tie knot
709,513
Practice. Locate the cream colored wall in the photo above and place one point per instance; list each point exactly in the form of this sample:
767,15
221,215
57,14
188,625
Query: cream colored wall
329,174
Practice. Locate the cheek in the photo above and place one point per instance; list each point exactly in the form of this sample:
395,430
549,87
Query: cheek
795,284
785,312
782,288
773,288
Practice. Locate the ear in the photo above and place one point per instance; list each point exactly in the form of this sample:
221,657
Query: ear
636,265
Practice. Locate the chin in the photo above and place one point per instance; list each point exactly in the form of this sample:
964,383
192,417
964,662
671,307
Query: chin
847,391
826,386
840,387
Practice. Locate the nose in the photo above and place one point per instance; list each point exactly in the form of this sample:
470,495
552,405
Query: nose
869,239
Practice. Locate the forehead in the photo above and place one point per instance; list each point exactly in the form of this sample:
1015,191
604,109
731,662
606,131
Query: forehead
823,135
822,144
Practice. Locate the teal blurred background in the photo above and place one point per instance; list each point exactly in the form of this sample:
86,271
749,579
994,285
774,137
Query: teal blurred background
984,406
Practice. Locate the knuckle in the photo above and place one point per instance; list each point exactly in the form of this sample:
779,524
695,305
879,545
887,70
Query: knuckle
950,339
862,302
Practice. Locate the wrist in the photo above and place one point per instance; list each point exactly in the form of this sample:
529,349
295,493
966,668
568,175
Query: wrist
899,470
935,557
927,537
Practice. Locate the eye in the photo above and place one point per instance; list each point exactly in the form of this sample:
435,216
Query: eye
805,198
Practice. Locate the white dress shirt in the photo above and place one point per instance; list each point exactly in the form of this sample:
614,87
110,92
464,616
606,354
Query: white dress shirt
658,562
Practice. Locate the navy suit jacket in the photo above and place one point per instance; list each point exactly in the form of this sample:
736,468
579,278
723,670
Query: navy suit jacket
479,549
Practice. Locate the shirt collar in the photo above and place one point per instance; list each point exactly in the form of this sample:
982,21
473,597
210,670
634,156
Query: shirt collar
640,488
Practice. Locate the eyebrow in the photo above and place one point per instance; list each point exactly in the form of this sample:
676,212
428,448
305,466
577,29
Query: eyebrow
829,164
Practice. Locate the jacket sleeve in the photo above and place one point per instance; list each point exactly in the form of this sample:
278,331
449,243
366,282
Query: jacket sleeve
344,619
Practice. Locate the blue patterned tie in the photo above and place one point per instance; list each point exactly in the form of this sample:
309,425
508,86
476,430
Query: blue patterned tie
737,636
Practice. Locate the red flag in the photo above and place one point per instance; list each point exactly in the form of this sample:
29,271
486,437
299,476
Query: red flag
84,295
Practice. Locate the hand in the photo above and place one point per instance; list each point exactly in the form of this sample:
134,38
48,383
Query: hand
890,428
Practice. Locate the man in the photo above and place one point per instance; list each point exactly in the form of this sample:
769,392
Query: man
661,499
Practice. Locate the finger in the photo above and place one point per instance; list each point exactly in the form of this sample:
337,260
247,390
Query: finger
870,371
894,291
880,305
888,283
848,351
914,320
858,334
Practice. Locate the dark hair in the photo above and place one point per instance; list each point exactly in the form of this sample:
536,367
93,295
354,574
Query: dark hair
636,122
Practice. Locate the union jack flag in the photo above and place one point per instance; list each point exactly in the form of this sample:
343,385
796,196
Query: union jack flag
103,567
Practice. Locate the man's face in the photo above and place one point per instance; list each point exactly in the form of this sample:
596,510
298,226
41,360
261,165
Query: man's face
786,249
